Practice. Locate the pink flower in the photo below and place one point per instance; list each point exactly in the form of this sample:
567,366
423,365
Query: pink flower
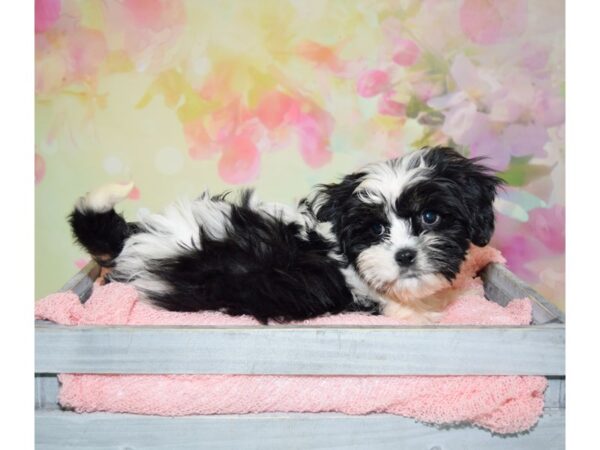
145,13
77,56
493,118
548,110
275,108
390,107
525,244
149,31
512,98
406,53
199,143
534,57
313,130
426,89
506,110
490,147
470,78
222,124
524,140
51,66
391,29
519,251
216,83
517,246
548,226
40,168
462,122
47,13
87,50
372,83
487,22
240,162
320,54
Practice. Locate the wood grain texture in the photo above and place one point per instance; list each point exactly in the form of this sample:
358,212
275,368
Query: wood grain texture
315,350
501,286
293,350
82,282
46,391
554,397
64,430
433,350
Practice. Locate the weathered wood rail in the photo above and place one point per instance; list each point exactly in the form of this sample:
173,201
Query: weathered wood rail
431,350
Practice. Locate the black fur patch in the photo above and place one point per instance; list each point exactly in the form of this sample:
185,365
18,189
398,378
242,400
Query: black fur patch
352,220
473,184
101,234
461,190
263,268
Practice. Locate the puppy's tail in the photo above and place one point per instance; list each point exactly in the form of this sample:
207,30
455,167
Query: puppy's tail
96,225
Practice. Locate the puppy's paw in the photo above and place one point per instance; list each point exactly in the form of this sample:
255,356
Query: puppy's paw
104,198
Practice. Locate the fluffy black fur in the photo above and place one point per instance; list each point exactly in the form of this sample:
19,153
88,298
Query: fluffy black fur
461,190
102,234
352,219
473,187
263,269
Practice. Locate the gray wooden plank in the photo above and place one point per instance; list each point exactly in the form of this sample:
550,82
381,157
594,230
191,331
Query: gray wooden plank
82,282
46,391
502,286
554,397
64,430
433,350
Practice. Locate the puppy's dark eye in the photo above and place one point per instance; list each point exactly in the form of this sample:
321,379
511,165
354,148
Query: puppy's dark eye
430,218
377,229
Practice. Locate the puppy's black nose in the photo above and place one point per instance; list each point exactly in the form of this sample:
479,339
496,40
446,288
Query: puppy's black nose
406,256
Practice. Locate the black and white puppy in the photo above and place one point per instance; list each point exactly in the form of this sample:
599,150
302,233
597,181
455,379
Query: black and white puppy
386,239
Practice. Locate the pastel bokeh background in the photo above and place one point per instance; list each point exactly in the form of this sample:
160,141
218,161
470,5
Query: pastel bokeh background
282,94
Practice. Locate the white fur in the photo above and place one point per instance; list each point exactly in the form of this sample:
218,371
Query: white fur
361,291
401,233
423,311
316,199
377,264
386,181
411,291
287,214
104,198
405,293
167,234
419,301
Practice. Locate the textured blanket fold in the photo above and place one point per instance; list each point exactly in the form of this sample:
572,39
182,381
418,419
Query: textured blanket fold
503,404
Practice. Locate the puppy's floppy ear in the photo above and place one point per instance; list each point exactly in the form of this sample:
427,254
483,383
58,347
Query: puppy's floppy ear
483,188
328,199
478,186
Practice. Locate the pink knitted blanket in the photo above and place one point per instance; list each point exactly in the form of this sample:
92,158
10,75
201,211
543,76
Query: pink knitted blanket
503,404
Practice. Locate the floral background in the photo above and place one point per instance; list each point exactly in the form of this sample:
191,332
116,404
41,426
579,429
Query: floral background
282,94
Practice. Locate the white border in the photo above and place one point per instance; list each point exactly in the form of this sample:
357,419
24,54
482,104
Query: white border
583,222
16,165
583,82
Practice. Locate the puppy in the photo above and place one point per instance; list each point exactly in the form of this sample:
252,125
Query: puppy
389,239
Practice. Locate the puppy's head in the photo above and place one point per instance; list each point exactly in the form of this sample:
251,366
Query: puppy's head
406,224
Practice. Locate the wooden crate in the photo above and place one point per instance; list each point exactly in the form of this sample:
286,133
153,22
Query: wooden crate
351,350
